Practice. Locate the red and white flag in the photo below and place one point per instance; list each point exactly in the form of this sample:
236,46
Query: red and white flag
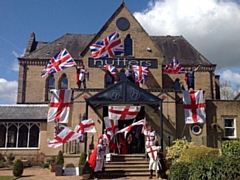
111,126
144,128
59,106
86,126
128,128
63,137
194,108
123,112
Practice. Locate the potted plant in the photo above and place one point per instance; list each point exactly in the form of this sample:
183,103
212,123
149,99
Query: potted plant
59,164
51,163
82,161
87,171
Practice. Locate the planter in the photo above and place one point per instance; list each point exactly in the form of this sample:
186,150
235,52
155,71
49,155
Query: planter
86,176
52,167
80,168
58,169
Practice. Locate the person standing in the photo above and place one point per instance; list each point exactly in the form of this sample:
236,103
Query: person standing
129,143
130,73
99,158
152,152
81,76
105,143
189,77
150,137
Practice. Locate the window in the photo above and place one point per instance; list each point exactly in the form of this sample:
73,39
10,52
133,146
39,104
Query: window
50,84
128,50
230,128
63,82
19,135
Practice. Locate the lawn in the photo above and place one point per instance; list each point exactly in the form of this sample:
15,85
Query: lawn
6,177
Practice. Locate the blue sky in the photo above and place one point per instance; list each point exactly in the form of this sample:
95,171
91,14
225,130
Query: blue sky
209,25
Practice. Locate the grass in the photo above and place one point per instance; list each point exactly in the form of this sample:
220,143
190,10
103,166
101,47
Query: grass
6,177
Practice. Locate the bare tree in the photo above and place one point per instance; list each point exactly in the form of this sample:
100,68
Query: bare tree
226,91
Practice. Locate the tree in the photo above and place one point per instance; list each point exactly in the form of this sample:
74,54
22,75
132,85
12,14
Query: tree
226,90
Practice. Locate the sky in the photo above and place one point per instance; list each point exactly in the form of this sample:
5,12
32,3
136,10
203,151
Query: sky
211,26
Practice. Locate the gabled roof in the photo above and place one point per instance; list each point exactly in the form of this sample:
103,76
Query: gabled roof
23,112
179,47
74,43
123,93
237,97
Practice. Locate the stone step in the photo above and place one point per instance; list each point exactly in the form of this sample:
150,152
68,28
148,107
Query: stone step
124,165
115,174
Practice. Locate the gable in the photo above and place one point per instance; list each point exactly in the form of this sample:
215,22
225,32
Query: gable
123,93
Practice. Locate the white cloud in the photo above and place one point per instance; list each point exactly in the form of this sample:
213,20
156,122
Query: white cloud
8,91
209,25
230,76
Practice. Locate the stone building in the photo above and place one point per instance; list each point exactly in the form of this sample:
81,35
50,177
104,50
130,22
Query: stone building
24,129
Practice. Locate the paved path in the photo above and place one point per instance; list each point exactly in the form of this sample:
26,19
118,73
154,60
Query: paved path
45,174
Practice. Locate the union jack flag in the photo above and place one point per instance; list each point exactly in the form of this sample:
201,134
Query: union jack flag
174,68
111,69
141,73
107,47
60,61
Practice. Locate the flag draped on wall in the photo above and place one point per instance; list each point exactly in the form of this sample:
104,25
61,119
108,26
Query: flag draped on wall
123,112
128,128
111,126
194,109
107,47
174,68
59,62
63,137
141,73
59,106
85,126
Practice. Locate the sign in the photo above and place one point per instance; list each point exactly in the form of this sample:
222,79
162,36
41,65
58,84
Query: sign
122,63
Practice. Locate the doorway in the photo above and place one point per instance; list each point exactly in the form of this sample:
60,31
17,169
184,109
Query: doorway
137,145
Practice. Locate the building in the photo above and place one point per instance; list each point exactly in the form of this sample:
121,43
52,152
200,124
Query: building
24,129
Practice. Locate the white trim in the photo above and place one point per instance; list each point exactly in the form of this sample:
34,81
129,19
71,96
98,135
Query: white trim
24,148
234,127
24,105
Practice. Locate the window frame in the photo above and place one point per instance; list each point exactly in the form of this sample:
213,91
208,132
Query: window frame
234,127
18,125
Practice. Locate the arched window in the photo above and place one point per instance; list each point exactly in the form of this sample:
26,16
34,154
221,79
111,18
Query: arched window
23,136
2,135
63,82
128,46
50,84
122,75
12,136
34,135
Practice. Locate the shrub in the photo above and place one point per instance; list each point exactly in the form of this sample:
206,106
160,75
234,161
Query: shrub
10,157
2,158
214,168
174,152
231,148
194,153
82,159
18,168
179,171
59,159
2,165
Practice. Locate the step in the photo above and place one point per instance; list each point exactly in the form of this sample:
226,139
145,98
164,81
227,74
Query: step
113,174
113,165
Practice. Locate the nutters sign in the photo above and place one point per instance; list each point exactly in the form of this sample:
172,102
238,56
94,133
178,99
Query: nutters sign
122,63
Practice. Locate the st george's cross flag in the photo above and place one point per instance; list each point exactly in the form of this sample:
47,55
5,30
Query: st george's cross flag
141,74
128,128
174,67
123,112
59,62
66,135
111,126
194,108
108,47
86,126
59,106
